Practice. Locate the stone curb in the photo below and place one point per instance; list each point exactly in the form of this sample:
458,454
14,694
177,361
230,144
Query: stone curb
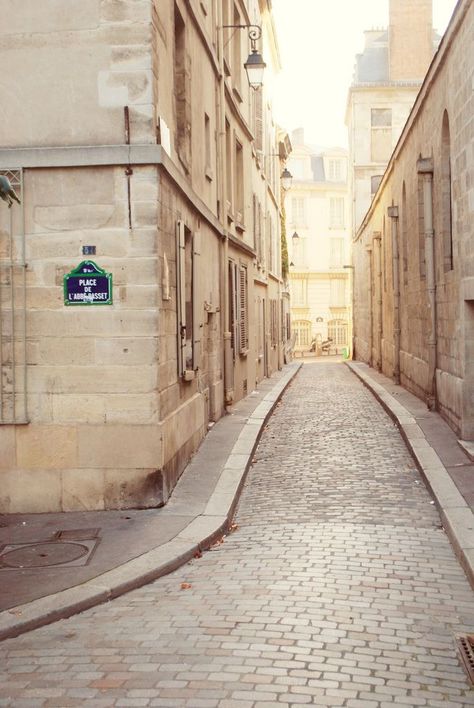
456,515
198,535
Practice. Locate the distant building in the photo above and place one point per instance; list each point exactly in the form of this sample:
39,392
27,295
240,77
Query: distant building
317,218
387,77
413,254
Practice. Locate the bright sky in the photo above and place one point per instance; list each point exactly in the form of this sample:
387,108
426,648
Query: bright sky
318,42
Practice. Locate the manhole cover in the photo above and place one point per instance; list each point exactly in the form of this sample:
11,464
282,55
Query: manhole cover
466,651
41,555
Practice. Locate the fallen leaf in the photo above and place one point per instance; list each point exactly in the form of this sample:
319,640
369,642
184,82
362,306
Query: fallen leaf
186,586
218,542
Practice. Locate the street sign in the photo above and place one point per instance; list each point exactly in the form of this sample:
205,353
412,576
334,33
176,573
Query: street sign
88,285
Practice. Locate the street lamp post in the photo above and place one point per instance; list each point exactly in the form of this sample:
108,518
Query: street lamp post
254,66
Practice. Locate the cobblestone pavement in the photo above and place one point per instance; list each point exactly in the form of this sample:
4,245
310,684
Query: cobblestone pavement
337,588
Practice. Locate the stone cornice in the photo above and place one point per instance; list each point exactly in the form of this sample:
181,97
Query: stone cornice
107,156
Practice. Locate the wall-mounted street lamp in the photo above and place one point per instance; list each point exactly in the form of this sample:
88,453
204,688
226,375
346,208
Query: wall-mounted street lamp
254,66
295,236
286,179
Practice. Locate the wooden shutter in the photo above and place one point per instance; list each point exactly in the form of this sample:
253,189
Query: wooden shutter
243,310
181,296
233,307
197,302
258,98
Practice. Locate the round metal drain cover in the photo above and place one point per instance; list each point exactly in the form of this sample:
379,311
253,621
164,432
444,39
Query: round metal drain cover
40,555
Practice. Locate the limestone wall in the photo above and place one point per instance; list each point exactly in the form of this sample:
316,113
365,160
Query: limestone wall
92,440
447,96
72,68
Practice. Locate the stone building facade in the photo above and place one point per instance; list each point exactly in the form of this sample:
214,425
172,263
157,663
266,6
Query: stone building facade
319,240
136,145
413,254
387,77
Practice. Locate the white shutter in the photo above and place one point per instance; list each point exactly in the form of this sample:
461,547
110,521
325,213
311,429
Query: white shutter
197,302
181,296
243,310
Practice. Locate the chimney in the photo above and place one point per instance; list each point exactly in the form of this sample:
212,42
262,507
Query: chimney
297,137
411,46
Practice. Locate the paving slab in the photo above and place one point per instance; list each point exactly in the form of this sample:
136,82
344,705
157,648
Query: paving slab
127,548
443,460
337,586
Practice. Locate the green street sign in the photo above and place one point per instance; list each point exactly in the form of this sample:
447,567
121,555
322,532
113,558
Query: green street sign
88,285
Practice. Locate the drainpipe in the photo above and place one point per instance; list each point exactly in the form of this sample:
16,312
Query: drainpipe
378,252
393,214
425,168
227,360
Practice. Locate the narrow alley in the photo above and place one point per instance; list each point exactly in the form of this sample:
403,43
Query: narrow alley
337,587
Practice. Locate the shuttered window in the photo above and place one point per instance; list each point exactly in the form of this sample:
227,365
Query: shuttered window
188,300
243,310
258,119
274,322
238,308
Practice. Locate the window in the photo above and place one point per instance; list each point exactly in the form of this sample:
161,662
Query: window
274,322
337,331
258,119
272,243
381,118
207,146
299,292
298,211
336,252
182,91
239,182
446,195
337,296
257,228
260,306
227,20
228,150
302,330
336,212
335,170
238,305
187,253
381,134
237,54
298,252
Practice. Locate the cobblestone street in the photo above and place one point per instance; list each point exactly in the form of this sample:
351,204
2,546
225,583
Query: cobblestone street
338,586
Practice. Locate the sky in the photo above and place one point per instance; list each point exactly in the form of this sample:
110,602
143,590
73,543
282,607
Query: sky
318,41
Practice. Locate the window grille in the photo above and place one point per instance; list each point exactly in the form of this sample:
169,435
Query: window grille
13,388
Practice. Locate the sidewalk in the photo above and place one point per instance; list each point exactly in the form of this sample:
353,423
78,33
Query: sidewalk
122,550
443,460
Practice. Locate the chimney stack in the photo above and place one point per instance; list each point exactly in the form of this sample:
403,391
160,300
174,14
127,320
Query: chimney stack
411,45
